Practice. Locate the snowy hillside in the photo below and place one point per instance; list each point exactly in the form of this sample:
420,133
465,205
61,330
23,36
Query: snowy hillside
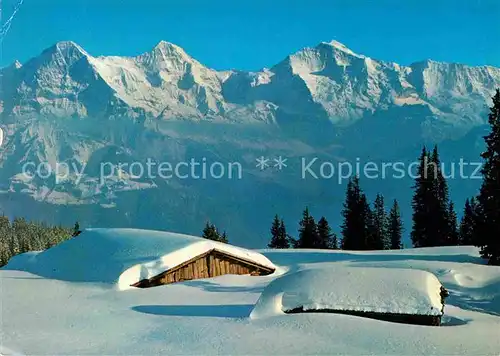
66,313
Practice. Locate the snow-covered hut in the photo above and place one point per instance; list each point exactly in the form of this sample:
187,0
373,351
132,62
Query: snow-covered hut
141,258
397,295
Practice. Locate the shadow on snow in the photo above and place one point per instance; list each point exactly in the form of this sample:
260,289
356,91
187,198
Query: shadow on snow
211,311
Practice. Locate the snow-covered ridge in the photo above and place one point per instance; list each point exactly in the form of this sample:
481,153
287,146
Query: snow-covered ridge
329,79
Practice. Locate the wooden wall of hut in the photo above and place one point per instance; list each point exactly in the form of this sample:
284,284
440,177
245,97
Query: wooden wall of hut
210,264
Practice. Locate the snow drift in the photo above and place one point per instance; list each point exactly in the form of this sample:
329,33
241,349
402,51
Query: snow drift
379,290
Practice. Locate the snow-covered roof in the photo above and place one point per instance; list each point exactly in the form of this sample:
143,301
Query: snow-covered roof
125,256
380,290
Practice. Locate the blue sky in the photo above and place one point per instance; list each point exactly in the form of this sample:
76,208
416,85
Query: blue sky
251,34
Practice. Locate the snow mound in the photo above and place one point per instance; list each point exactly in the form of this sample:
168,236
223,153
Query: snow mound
381,290
123,256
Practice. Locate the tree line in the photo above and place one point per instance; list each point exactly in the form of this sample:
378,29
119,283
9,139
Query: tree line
20,236
364,227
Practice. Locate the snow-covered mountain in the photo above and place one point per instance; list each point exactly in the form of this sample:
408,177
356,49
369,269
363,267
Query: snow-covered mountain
327,81
68,106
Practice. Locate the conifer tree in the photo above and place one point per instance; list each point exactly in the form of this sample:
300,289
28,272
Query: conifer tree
420,233
223,237
279,237
76,229
308,232
468,223
453,236
285,238
432,223
444,217
357,218
325,234
210,232
395,227
334,242
378,225
488,217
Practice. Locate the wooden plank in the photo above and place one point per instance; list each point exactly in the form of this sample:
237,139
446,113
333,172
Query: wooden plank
223,269
190,270
201,265
205,267
187,274
217,266
196,270
211,266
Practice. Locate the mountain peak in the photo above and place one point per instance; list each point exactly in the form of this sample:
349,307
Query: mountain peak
164,54
170,49
69,45
67,50
167,45
340,47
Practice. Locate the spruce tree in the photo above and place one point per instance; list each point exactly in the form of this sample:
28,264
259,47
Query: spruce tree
279,237
284,237
275,227
223,238
349,227
422,193
334,242
395,227
453,235
488,219
357,215
76,229
432,223
444,217
378,225
210,232
308,232
324,234
468,223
